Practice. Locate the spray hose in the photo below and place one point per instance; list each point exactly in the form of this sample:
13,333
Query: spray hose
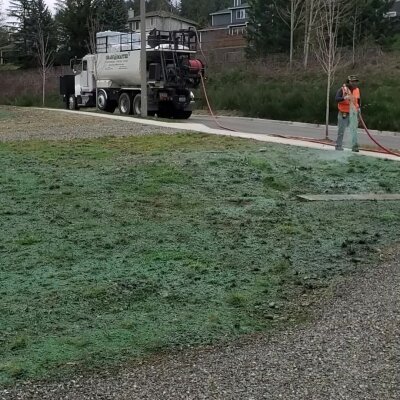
204,88
307,139
209,106
375,141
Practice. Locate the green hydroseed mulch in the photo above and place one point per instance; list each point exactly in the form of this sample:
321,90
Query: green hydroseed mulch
112,249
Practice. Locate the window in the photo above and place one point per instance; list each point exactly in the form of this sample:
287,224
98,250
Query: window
84,66
238,3
137,26
151,21
241,14
236,31
390,14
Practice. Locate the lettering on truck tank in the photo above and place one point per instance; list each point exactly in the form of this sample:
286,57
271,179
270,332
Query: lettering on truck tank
116,61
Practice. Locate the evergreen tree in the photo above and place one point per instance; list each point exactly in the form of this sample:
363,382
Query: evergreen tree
267,32
160,5
73,27
1,14
153,5
3,32
200,11
112,15
4,35
28,16
19,11
367,22
76,19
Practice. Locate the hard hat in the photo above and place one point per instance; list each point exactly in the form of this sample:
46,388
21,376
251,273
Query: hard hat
352,78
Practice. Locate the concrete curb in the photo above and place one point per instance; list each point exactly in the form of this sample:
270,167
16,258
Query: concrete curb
193,127
301,124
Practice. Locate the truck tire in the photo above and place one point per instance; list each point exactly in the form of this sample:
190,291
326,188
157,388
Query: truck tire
137,105
104,103
179,114
125,104
165,111
72,103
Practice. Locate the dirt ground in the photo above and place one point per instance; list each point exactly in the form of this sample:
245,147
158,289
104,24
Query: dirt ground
18,123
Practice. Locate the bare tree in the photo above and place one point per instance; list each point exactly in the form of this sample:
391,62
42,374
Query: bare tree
3,33
44,54
1,14
356,25
2,25
330,16
93,26
311,14
292,15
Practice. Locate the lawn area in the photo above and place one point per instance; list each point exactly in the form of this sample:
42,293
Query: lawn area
115,248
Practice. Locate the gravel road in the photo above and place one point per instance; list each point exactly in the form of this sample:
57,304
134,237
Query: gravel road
351,350
18,123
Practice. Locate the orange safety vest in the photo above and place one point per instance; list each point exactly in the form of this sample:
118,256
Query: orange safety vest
344,106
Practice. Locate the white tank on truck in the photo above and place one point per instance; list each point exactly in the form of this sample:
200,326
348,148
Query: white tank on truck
111,77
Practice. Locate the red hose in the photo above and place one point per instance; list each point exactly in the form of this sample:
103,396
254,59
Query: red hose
205,91
209,106
375,141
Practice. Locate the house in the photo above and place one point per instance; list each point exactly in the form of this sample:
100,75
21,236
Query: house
394,10
233,18
5,51
224,40
394,13
161,20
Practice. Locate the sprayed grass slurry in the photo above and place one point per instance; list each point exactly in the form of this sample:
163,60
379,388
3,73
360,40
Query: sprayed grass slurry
115,248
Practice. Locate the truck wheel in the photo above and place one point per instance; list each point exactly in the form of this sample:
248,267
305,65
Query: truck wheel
125,104
104,103
165,111
137,105
72,104
182,114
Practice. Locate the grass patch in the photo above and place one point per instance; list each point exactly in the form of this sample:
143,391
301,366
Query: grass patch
115,248
31,100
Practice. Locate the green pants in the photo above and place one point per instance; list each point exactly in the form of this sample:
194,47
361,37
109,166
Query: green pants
349,121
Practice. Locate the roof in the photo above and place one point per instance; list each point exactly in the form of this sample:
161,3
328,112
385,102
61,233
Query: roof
7,47
244,5
226,11
396,7
164,14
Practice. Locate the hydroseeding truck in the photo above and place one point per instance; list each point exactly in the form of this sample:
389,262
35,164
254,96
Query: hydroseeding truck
110,78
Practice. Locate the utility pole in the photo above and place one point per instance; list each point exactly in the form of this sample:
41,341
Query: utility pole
143,58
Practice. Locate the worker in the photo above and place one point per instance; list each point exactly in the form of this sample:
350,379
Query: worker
349,105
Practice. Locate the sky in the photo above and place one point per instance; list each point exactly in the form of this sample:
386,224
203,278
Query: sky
50,3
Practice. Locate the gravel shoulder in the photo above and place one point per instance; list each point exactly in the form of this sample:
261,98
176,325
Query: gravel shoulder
350,350
18,123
